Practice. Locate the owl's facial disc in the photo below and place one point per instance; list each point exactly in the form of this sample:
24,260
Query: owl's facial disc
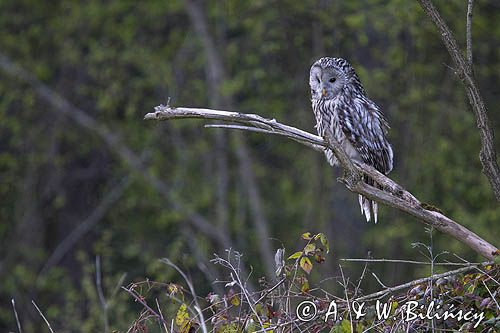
331,83
326,83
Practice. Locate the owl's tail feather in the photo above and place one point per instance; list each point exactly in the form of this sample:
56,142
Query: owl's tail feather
368,207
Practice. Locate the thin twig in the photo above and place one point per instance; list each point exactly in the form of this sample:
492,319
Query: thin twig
41,314
433,259
489,276
235,275
491,294
266,131
360,280
191,289
163,322
271,290
143,303
411,262
100,293
345,285
17,317
379,281
370,329
118,285
416,282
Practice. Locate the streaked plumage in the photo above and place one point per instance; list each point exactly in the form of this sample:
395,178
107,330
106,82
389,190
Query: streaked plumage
345,113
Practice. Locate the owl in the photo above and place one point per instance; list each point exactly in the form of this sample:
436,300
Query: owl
344,112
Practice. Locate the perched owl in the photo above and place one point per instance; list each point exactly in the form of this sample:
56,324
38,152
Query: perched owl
343,112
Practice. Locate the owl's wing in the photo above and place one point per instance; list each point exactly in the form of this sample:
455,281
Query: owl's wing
366,128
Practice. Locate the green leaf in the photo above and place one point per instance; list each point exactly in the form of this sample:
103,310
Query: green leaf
306,264
324,241
267,325
306,236
182,319
296,255
304,287
310,248
235,300
229,328
345,326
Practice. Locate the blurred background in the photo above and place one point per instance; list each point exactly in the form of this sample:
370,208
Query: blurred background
83,176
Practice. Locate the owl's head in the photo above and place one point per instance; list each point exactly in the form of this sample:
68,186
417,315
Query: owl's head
329,76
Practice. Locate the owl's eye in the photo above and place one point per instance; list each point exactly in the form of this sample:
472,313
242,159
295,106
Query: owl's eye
332,80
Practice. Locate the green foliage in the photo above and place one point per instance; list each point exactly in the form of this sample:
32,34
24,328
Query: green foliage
311,249
182,319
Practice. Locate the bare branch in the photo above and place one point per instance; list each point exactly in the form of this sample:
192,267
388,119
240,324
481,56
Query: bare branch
391,194
43,317
270,290
491,294
379,281
470,6
17,317
261,130
140,299
346,293
399,261
237,278
464,71
388,290
163,322
100,293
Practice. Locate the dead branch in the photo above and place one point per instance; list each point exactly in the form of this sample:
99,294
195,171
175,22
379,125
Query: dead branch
100,294
16,316
392,194
470,6
407,285
43,317
413,262
140,299
463,69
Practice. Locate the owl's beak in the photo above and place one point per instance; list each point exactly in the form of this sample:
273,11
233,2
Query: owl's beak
323,92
